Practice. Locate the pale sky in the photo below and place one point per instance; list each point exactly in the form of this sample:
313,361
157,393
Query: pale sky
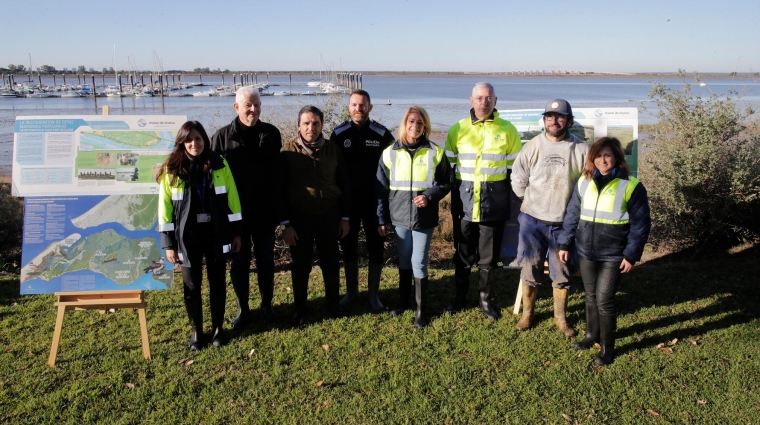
386,35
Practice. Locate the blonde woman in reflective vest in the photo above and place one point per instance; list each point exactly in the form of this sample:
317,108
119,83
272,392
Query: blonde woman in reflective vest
199,216
412,177
608,219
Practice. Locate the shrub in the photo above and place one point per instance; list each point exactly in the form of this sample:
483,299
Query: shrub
11,222
701,168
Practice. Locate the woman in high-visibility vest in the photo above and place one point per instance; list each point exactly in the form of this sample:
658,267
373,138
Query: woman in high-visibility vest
608,219
412,177
199,216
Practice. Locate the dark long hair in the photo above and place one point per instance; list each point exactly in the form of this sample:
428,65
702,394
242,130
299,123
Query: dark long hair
596,147
178,163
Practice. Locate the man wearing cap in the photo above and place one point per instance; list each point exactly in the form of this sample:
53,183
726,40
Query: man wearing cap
481,149
543,176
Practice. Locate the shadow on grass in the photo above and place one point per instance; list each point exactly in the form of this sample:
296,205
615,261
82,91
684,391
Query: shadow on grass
9,289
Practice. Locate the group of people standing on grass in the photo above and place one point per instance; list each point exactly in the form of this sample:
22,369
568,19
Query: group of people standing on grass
225,196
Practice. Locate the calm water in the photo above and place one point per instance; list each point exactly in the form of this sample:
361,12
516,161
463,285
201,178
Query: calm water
445,98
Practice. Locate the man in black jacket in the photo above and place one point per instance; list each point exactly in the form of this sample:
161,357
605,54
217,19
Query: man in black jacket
251,148
362,141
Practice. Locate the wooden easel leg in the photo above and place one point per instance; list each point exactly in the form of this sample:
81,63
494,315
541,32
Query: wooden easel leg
144,333
56,336
518,299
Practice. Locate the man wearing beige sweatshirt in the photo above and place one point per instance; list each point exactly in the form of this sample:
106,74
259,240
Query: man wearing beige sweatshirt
543,176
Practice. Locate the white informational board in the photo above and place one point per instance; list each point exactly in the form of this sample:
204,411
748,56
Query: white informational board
90,155
589,125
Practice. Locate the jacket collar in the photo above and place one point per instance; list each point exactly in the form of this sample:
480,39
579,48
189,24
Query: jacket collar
493,116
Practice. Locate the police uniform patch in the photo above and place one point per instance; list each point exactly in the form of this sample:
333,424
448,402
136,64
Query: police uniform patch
347,143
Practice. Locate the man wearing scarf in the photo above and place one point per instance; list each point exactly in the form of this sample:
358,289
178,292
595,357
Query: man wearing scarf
315,203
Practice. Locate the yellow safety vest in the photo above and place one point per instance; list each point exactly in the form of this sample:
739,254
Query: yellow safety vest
412,173
611,205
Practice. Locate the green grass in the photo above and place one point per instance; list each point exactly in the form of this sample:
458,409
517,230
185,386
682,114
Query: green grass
378,369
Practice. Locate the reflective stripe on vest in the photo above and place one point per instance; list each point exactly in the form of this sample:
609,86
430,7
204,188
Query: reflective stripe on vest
489,166
611,205
412,173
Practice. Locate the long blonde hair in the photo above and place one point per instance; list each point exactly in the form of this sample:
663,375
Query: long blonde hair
419,110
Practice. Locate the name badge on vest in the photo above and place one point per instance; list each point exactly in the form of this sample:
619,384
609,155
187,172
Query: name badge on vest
203,218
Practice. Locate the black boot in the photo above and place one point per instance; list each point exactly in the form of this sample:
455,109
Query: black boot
420,295
462,282
266,289
300,296
592,328
352,282
195,313
404,291
242,287
218,298
607,326
374,272
485,284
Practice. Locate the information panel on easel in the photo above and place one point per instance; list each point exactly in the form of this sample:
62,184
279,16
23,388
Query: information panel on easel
91,203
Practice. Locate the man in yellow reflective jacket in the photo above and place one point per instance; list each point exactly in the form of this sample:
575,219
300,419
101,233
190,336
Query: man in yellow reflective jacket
481,150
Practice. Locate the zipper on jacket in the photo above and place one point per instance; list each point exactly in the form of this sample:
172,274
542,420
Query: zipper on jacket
411,185
316,177
596,206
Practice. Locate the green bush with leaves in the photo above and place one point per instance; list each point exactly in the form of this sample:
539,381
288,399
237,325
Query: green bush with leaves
701,167
11,223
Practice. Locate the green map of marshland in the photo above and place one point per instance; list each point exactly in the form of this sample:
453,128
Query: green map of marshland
119,258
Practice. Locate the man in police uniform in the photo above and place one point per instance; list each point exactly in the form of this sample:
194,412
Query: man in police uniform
543,176
251,148
481,149
362,142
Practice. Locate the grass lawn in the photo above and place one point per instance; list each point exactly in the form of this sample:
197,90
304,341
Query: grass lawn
372,368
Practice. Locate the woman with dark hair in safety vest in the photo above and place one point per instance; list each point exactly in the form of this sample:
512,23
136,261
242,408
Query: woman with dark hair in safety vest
608,219
412,176
199,215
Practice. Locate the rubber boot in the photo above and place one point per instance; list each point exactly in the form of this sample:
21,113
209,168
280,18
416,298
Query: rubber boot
560,316
266,289
462,282
332,293
352,283
485,285
300,296
195,314
373,285
529,295
607,327
404,291
218,301
420,295
592,328
242,287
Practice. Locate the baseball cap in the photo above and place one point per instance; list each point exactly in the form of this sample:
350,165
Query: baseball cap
558,106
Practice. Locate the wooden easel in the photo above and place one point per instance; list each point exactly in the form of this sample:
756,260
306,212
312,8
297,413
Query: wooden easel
518,298
99,300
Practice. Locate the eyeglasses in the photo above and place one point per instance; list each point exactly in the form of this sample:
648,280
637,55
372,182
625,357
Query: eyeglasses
559,118
482,98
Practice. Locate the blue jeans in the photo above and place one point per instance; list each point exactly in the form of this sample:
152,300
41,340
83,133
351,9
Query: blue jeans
413,250
537,242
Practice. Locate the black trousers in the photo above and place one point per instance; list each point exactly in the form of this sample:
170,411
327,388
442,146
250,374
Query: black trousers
366,215
322,230
600,281
198,246
477,243
260,236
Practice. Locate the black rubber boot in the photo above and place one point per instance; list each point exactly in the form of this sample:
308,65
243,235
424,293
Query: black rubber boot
462,284
351,269
374,272
242,287
420,295
607,327
592,328
485,285
218,301
300,296
404,291
195,314
266,290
